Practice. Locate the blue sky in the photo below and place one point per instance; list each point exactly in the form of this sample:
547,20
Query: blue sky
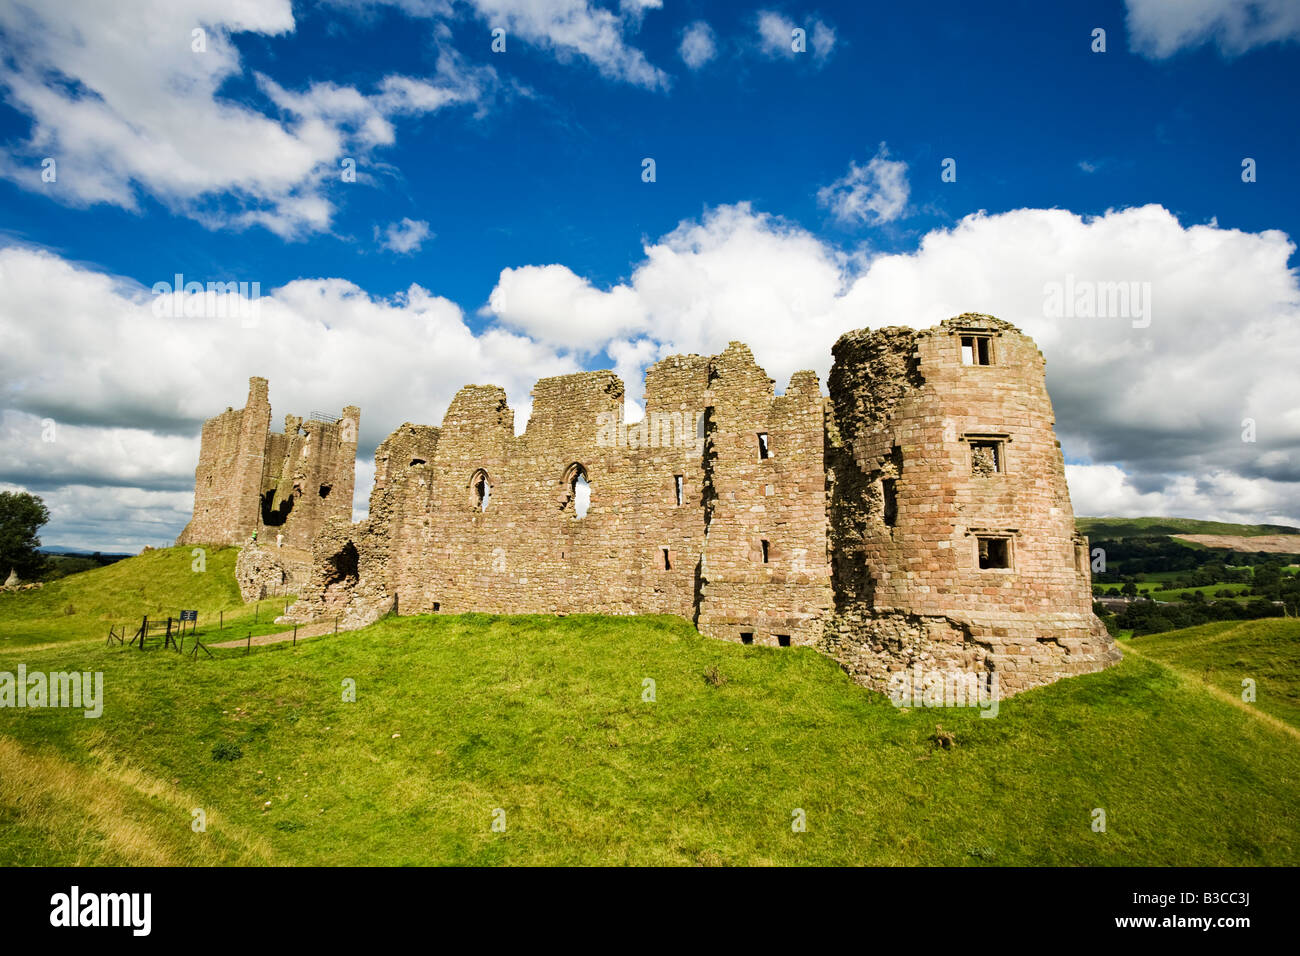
224,164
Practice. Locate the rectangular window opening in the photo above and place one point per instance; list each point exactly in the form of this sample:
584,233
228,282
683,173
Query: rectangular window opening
976,350
763,450
677,489
766,550
783,640
994,553
986,457
889,492
747,637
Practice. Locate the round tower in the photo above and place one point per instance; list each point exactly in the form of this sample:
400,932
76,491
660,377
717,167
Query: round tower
952,537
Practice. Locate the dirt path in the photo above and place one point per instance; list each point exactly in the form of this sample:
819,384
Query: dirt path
304,630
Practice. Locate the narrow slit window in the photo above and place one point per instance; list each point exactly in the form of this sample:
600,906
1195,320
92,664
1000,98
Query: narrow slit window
994,553
668,561
747,637
766,550
581,496
677,489
976,350
889,494
783,640
480,490
578,491
763,450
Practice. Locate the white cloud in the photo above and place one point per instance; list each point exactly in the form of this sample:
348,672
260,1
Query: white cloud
128,389
125,111
556,307
1149,416
698,45
1161,28
776,36
1105,490
120,520
403,237
874,193
570,28
1165,402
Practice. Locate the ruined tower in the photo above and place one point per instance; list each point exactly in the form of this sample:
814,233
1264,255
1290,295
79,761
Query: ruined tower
951,533
278,484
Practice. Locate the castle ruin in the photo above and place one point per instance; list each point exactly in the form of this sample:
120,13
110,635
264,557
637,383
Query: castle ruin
918,517
284,487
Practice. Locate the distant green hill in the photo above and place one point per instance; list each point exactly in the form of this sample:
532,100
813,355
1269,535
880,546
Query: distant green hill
1116,528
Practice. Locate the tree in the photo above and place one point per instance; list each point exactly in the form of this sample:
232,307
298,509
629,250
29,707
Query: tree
21,516
1268,580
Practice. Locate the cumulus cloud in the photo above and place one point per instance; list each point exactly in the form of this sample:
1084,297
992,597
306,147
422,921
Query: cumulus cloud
127,388
1163,400
554,306
698,46
138,112
1161,28
1149,409
403,237
875,193
776,36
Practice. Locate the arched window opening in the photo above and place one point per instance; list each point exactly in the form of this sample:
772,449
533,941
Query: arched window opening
480,488
577,490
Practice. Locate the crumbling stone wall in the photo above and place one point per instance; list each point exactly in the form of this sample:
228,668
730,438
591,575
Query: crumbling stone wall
284,486
679,505
918,518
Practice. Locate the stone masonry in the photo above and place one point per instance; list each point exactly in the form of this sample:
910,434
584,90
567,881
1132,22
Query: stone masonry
284,486
916,518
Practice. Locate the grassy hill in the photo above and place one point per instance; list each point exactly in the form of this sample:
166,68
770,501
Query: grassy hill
457,717
158,583
1116,528
1225,653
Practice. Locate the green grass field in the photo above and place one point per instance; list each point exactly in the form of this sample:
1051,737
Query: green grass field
1226,653
462,720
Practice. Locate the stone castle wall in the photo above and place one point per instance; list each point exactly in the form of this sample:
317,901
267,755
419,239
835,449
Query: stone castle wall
919,517
283,486
679,506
